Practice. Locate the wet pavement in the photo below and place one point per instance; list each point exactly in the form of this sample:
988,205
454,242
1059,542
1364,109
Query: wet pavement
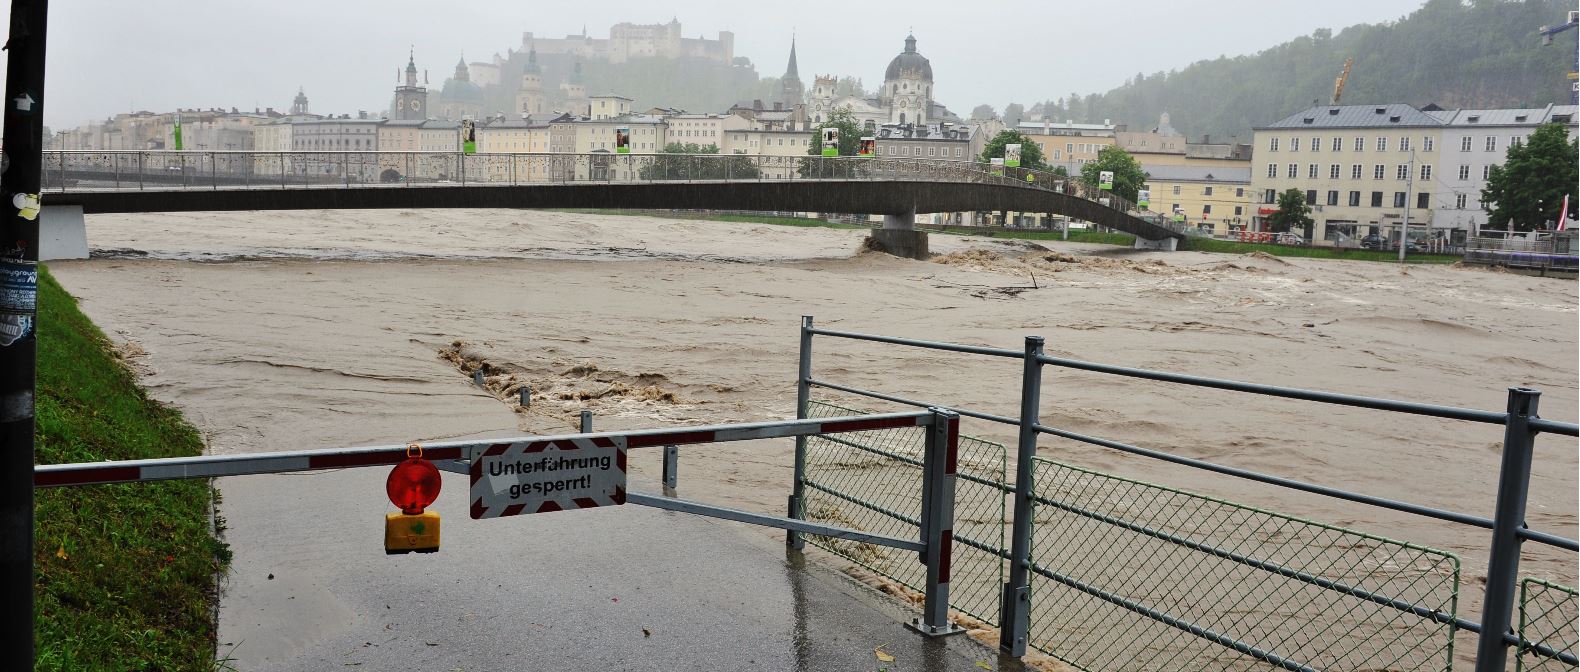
617,588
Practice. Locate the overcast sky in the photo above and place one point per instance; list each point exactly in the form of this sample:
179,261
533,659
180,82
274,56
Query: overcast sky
109,56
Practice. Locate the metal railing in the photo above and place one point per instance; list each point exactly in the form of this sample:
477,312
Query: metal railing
1496,633
168,170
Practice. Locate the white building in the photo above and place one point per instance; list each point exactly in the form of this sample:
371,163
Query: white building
1473,142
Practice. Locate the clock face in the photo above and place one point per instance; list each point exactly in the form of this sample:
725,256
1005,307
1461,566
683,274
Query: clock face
416,105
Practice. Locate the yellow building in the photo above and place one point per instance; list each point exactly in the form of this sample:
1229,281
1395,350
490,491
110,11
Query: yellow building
1217,200
1069,144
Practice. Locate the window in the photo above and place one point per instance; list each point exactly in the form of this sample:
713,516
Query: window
1271,196
1426,144
1316,144
1069,148
1176,190
1376,199
1404,144
1492,143
1206,191
1398,199
1377,171
1333,198
1237,211
1355,199
1426,172
1272,144
1360,144
1311,172
931,151
1464,144
1338,144
1514,140
1486,172
1311,197
1294,144
1459,201
1272,170
1239,192
1355,171
1423,200
1401,172
1382,143
957,153
1294,170
1333,172
1206,209
1464,172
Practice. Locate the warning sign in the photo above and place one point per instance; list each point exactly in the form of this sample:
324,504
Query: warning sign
509,479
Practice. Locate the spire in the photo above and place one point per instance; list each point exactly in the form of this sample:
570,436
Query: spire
790,70
910,43
532,61
411,67
461,72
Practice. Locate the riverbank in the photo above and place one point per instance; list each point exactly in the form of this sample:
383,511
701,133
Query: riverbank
125,573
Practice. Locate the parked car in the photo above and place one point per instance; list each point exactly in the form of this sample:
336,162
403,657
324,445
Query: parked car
1289,239
1372,242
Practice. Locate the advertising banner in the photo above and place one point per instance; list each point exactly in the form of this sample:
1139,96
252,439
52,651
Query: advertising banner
1012,156
1105,180
868,147
622,140
830,141
468,136
1143,199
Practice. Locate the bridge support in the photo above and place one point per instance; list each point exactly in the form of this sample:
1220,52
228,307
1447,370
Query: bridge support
900,238
62,233
1164,244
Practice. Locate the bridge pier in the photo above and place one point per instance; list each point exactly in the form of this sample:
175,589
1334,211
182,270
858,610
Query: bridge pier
62,233
900,238
1163,244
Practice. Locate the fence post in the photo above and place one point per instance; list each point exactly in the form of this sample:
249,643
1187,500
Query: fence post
938,520
1514,480
803,394
1015,604
586,426
671,467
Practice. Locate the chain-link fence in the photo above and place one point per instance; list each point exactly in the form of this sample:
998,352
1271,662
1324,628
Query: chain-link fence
872,481
1548,613
1134,576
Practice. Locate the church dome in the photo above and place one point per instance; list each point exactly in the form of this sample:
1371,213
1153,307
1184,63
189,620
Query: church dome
461,91
909,61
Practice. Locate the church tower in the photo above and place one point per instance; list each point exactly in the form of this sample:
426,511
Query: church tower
907,91
299,105
530,100
575,92
411,100
822,97
791,91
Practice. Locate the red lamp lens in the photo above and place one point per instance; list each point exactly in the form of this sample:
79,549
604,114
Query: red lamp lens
413,485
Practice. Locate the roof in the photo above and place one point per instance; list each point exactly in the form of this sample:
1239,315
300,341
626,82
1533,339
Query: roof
1055,126
911,61
440,124
928,132
1519,116
613,95
1198,174
1356,116
401,123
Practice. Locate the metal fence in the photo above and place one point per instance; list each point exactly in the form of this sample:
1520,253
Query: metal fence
868,481
1118,562
1309,596
1548,614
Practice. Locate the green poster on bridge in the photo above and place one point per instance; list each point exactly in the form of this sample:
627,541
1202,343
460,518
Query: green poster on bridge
830,141
1012,156
177,132
1143,199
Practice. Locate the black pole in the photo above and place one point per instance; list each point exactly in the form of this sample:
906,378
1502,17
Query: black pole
19,188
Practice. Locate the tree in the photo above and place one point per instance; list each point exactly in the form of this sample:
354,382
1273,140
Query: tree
1013,113
676,163
850,132
1530,185
1128,176
983,112
1292,212
1030,153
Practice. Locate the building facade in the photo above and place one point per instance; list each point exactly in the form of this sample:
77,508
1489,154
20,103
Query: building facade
627,41
1217,200
1473,142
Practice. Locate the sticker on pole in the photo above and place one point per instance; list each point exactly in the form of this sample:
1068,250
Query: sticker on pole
510,479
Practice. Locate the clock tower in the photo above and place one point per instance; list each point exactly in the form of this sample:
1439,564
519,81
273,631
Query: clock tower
411,100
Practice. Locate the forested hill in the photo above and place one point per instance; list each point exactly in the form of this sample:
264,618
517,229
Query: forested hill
1476,54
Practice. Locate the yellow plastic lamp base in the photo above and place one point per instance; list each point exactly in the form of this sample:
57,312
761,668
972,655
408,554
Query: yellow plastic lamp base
417,533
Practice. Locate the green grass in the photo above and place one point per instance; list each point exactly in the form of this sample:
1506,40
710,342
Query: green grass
125,573
1316,252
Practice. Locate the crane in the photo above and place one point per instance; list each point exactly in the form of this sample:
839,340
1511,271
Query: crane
1547,33
1338,84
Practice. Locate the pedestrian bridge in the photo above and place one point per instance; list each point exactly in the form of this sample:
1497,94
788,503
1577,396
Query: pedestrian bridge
176,181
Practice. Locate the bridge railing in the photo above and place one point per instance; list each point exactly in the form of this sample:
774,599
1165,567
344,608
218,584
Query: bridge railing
166,170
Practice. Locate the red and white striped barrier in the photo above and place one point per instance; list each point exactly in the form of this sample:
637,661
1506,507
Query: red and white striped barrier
509,479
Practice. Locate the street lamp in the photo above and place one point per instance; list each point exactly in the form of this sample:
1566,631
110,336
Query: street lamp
1409,188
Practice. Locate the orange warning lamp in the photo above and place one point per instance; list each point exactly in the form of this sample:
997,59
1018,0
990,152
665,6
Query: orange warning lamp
412,486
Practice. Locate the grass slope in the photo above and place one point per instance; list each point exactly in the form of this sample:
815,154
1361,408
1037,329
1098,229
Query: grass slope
125,573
